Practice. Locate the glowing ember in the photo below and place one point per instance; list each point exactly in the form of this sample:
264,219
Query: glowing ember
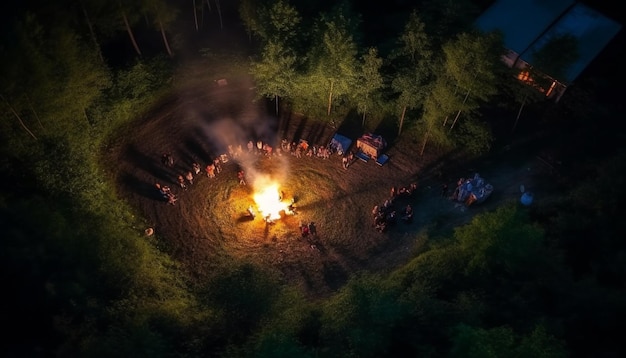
268,202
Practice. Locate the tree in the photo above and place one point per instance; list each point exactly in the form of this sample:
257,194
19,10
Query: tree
473,62
163,15
439,103
92,32
283,23
502,241
333,69
413,67
275,73
522,89
130,15
369,80
250,14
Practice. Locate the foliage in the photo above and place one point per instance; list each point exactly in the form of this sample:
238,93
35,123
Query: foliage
275,21
80,272
333,64
360,320
275,73
502,341
500,241
414,64
472,62
445,19
474,137
244,295
370,82
85,272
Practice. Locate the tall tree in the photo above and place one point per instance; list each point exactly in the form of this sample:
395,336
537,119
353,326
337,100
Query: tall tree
413,67
439,103
92,32
163,16
130,14
370,80
333,67
473,62
283,23
276,21
275,72
250,14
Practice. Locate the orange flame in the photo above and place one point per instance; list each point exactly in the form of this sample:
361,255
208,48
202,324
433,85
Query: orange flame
269,202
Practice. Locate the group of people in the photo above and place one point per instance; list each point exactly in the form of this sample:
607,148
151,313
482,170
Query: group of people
471,190
215,167
286,147
187,178
166,193
386,214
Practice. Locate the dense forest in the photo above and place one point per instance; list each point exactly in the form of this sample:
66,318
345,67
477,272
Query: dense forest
81,280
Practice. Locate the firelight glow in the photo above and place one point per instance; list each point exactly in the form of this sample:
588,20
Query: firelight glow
268,202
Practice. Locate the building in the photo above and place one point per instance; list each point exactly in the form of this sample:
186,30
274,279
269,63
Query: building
528,25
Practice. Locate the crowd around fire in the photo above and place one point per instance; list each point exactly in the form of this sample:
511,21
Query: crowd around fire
384,215
296,149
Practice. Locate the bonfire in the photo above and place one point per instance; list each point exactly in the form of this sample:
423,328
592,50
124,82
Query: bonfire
270,203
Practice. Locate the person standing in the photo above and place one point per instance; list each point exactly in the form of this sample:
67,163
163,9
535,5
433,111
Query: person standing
210,170
181,182
217,163
171,198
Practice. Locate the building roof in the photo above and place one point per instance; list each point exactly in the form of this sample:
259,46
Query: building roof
528,24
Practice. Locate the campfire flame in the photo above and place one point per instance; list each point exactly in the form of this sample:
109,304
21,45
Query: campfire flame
268,202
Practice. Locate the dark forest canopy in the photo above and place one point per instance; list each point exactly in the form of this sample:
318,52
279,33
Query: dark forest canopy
546,281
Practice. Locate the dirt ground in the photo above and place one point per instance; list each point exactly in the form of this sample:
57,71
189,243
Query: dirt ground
208,225
207,228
